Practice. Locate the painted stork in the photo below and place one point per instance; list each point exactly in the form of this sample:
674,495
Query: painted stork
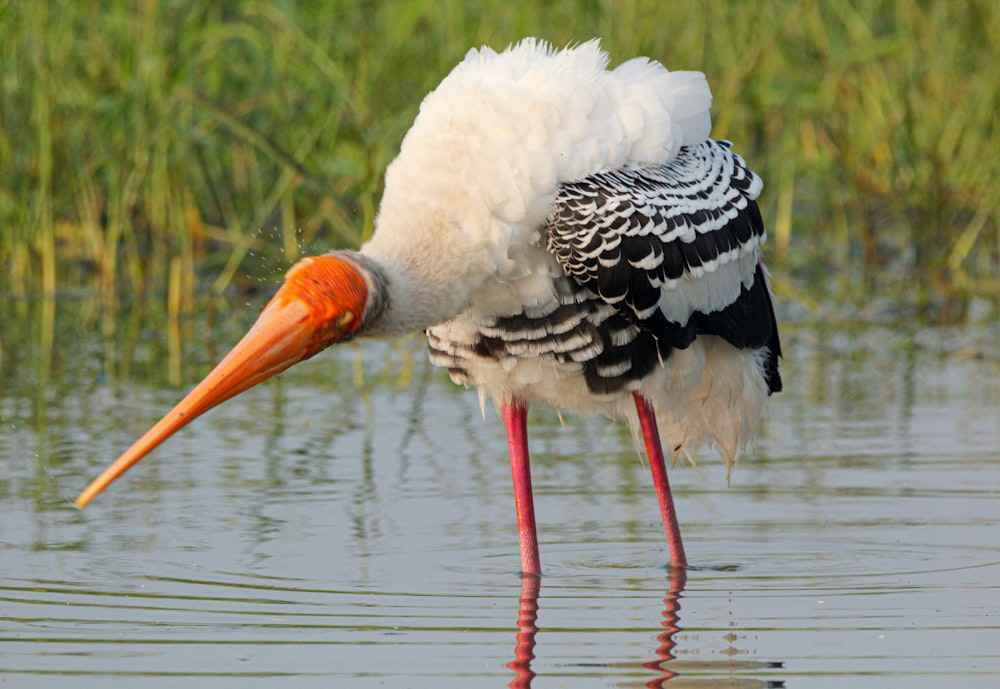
565,234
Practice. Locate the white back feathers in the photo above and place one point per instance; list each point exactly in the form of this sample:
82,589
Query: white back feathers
641,112
478,171
554,117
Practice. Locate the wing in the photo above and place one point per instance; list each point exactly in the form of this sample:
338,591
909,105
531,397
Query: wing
674,247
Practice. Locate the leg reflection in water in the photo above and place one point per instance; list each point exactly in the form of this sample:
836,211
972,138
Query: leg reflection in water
671,620
527,627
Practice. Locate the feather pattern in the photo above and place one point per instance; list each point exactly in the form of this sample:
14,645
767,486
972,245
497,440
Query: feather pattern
664,240
641,267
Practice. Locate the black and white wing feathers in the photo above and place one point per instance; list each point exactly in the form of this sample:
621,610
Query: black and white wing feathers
674,247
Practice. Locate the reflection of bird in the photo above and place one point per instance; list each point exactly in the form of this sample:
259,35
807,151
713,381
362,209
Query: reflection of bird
566,235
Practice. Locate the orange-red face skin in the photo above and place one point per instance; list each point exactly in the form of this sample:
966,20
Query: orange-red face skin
321,302
336,294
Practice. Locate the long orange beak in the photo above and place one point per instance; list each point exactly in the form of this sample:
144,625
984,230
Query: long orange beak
320,303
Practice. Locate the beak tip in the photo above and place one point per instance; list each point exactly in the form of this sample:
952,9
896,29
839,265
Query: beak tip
89,493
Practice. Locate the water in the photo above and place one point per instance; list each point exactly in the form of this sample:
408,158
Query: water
352,524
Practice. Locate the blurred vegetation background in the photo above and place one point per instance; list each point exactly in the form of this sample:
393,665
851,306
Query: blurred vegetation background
154,151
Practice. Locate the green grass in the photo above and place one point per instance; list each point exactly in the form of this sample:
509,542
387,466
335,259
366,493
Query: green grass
163,149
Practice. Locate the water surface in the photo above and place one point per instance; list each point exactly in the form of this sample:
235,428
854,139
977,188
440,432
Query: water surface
351,524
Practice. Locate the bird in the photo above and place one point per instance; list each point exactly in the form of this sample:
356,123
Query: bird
567,235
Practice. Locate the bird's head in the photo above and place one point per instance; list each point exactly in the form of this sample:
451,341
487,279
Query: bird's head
321,302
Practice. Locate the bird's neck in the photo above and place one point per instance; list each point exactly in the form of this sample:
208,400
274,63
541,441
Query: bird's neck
407,295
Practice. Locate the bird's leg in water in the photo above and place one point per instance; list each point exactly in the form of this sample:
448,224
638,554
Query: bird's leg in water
515,418
654,451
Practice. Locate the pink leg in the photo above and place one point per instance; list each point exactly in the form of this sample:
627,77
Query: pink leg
515,418
654,451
